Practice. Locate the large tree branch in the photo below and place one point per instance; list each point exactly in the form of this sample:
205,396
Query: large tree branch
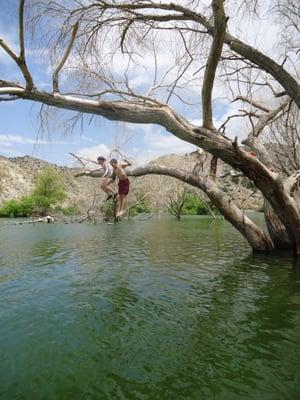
20,60
292,183
21,30
288,82
8,50
64,58
265,119
257,239
267,181
220,22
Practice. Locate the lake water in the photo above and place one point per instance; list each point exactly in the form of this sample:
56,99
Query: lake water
155,309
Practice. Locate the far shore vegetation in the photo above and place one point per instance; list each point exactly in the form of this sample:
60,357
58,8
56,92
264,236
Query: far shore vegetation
49,191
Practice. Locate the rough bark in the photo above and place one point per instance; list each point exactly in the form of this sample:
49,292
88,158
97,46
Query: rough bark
213,168
276,229
220,22
257,239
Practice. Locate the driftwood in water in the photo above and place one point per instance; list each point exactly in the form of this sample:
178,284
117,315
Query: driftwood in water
48,219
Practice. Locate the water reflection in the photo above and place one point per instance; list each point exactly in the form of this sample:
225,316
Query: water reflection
146,310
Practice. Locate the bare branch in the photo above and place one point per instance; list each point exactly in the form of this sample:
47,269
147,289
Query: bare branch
64,58
181,13
78,159
21,31
252,102
9,51
20,60
220,22
268,117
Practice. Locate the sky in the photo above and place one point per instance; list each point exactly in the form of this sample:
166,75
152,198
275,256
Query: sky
20,128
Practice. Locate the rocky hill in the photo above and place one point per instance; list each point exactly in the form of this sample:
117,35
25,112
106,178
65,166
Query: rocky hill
17,177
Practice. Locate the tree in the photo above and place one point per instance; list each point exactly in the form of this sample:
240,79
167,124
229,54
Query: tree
176,202
84,26
184,202
49,190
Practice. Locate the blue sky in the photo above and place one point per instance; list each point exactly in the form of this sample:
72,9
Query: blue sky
20,132
19,128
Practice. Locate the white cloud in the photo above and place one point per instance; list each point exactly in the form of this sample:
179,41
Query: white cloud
157,143
18,139
91,153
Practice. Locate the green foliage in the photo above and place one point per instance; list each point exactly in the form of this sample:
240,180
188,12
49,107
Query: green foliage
17,208
49,190
49,185
193,205
142,208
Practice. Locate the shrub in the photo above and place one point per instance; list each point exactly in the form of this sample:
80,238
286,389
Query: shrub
49,185
195,206
140,209
49,190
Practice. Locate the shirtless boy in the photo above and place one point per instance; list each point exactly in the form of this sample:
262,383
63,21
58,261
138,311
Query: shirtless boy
108,177
119,170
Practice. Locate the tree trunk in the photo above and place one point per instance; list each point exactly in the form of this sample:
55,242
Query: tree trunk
276,229
213,168
230,152
257,239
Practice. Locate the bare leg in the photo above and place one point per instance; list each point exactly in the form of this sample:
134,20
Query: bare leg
105,186
122,198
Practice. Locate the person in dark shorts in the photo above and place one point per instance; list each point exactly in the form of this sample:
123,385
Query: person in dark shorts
108,177
119,169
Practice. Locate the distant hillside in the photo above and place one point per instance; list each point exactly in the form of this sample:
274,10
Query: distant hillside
17,176
160,188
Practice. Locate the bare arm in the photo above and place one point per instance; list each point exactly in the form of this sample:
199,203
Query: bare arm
125,164
100,169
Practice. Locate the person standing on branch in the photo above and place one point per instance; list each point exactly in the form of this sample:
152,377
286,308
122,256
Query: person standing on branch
108,178
119,169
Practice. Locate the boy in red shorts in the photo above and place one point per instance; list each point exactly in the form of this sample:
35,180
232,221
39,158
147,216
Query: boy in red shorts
119,169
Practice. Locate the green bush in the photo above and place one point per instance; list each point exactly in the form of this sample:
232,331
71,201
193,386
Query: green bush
17,208
195,206
49,185
142,208
49,190
141,204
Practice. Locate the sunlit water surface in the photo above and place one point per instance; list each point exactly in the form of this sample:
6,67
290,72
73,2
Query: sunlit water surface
156,309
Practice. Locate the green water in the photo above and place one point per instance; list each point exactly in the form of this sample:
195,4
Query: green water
145,310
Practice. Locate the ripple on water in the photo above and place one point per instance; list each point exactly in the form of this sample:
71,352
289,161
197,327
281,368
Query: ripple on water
151,310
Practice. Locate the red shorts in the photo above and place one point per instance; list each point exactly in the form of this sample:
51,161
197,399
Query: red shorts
124,186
